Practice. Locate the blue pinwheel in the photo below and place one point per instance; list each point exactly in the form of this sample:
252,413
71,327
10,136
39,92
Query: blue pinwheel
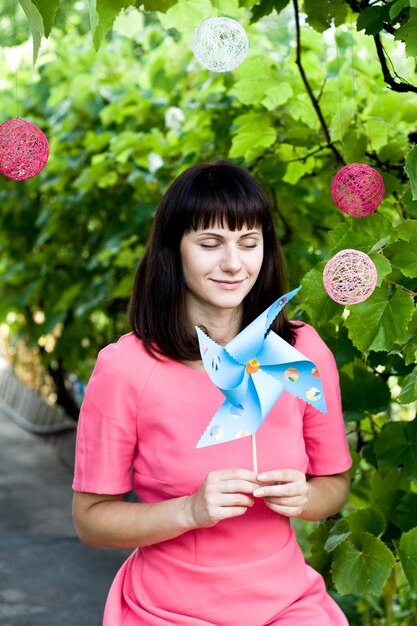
252,371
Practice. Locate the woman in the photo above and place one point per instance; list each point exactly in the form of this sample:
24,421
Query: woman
213,540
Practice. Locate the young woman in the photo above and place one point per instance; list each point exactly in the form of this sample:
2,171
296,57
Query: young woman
213,540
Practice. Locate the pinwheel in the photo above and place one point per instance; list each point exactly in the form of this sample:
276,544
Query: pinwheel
252,371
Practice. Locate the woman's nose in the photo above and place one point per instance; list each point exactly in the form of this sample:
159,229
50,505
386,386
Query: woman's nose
231,261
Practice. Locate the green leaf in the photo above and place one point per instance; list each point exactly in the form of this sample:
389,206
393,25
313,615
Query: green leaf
367,234
379,322
297,169
277,95
397,7
367,520
403,255
251,90
404,515
320,559
107,11
47,9
407,551
411,169
337,338
355,143
265,7
318,14
353,526
315,298
156,5
364,570
255,133
396,447
407,33
409,348
93,15
371,396
383,266
407,230
371,20
338,534
387,491
123,287
186,15
409,390
36,25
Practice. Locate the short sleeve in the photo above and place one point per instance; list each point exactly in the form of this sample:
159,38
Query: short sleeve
107,430
324,433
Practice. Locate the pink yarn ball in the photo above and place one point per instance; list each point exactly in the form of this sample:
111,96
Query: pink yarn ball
357,189
350,277
24,149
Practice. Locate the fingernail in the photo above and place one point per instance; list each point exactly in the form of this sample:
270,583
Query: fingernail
262,476
258,492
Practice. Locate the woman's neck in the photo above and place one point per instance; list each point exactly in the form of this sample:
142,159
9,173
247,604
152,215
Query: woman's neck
222,326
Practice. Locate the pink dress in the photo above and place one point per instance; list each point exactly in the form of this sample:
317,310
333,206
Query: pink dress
139,425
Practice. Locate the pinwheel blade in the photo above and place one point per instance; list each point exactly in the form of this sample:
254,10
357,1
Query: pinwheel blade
293,370
224,371
250,340
268,390
276,350
278,305
233,421
302,379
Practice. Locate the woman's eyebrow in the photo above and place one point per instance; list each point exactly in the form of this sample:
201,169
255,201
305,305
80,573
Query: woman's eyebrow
208,233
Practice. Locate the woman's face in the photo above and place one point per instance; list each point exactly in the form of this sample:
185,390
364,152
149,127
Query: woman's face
220,267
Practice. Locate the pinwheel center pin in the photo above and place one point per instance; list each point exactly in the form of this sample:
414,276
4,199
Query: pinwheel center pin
252,366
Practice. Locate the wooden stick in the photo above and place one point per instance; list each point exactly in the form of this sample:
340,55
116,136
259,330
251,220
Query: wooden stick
254,455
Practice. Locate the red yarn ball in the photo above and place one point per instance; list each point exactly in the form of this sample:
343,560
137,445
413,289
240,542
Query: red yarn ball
357,189
24,149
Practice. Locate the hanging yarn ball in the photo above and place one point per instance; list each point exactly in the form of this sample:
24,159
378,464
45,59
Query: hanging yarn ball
357,189
220,44
350,277
24,149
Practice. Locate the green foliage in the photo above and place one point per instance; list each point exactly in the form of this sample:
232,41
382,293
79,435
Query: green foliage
408,555
124,121
363,569
36,25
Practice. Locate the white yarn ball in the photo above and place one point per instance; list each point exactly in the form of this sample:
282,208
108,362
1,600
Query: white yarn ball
220,44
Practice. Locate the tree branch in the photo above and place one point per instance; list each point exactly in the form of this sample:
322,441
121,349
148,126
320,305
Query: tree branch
308,88
390,81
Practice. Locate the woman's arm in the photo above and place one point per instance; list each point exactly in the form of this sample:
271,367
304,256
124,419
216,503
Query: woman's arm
293,494
108,521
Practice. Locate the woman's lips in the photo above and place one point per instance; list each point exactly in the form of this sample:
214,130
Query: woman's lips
228,284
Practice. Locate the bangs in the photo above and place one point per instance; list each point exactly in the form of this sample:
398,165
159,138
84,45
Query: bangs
225,212
224,197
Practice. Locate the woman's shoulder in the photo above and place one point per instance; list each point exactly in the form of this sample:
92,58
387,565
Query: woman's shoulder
309,342
127,355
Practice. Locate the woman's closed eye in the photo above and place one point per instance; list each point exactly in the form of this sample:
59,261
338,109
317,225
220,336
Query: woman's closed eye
211,243
249,243
245,244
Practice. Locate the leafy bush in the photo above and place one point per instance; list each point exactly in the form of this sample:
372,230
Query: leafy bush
124,121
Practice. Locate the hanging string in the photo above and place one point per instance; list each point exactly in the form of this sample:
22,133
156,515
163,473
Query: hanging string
339,87
16,60
218,8
352,50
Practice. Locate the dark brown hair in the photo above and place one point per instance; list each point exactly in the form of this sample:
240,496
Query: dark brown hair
203,195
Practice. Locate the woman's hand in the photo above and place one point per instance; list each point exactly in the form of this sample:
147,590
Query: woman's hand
284,491
223,494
